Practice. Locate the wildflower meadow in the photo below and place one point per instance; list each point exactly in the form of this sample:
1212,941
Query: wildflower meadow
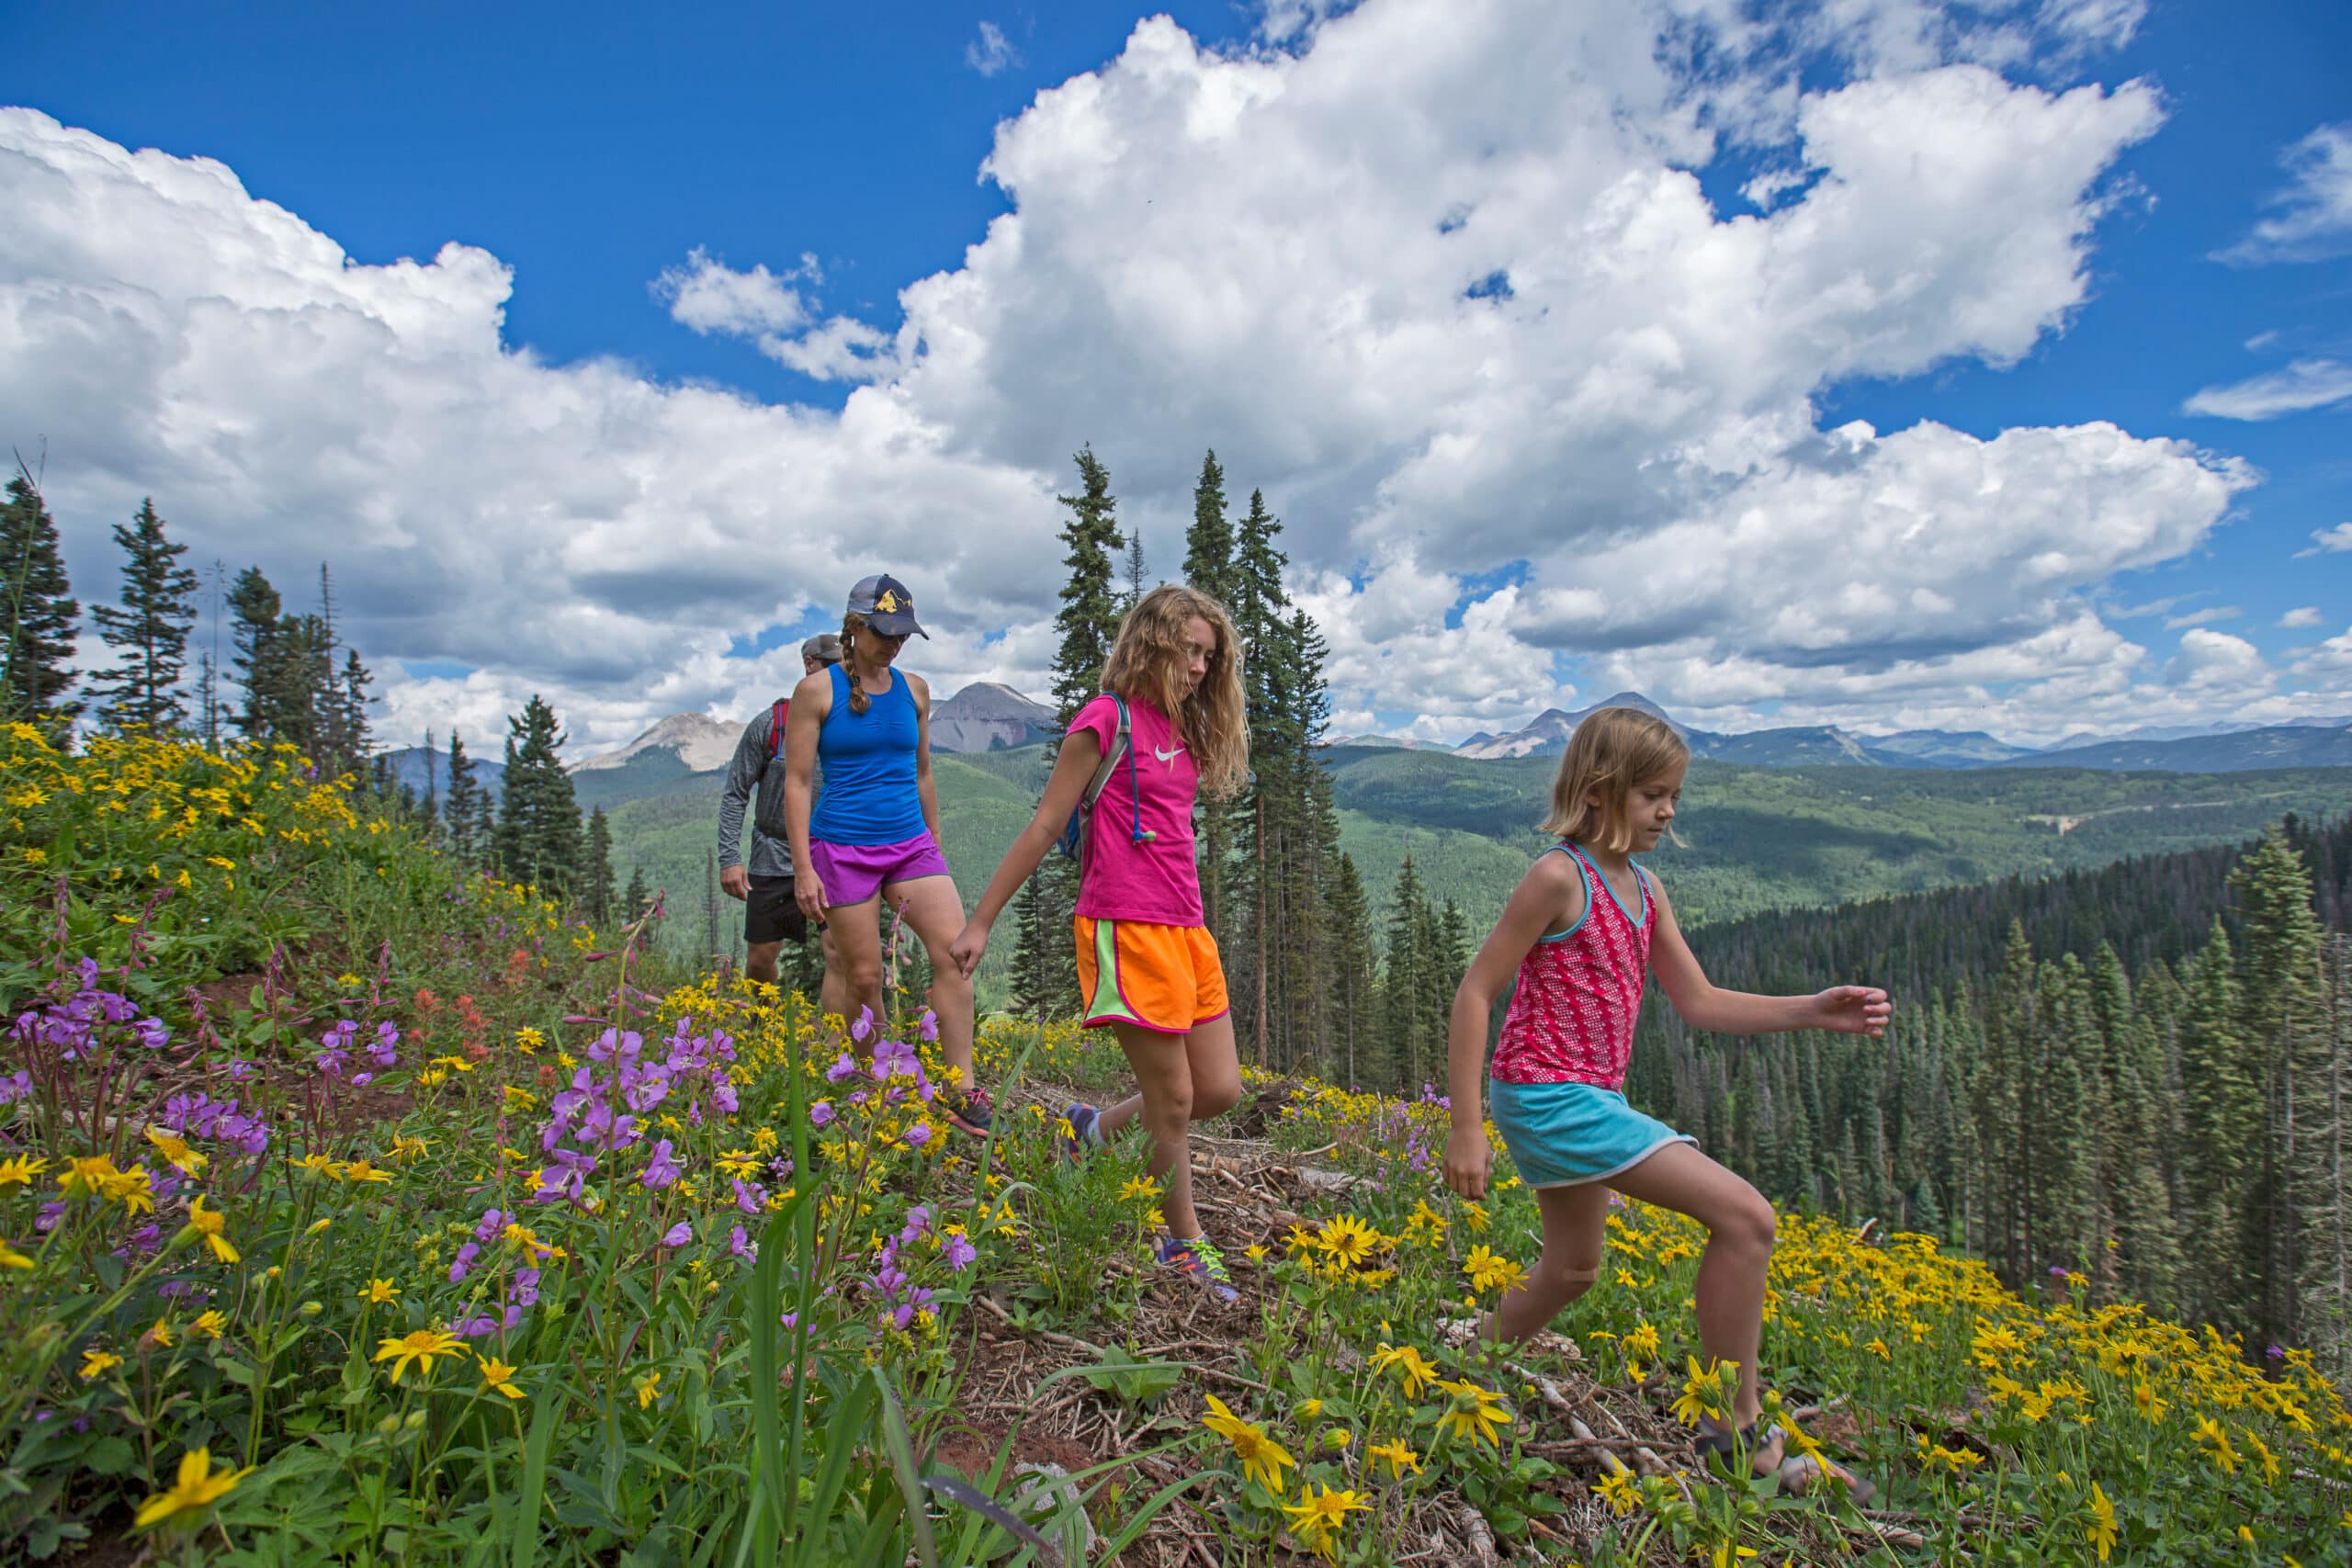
356,1209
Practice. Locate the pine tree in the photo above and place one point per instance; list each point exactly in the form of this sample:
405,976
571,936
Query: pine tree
538,837
1403,979
1089,618
638,897
351,713
1037,991
1208,542
598,895
38,614
465,800
710,903
1209,566
260,658
1135,566
2284,1003
1348,967
1261,818
2222,1115
149,633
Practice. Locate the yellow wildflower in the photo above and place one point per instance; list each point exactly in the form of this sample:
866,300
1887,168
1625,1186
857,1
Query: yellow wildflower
1396,1456
2101,1531
1474,1412
497,1374
420,1345
96,1363
1617,1490
208,1224
378,1292
197,1488
1261,1457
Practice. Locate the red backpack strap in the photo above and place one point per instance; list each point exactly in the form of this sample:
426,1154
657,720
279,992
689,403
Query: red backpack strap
777,716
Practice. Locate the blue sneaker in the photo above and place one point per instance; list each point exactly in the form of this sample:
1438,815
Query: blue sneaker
1200,1259
1085,1130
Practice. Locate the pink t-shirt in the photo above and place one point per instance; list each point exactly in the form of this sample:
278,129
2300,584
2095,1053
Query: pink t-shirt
1156,880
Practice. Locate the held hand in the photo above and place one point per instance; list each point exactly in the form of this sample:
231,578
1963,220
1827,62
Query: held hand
808,892
735,882
1853,1010
970,943
1469,1160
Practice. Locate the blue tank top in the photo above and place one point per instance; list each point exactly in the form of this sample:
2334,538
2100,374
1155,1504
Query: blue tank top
868,761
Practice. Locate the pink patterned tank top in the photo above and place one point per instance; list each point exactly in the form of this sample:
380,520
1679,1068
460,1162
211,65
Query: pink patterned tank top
1571,1020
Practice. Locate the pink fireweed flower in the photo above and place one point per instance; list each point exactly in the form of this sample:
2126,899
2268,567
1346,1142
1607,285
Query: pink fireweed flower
678,1235
820,1113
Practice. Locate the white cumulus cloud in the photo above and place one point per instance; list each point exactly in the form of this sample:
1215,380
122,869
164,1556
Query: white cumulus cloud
2329,541
1439,275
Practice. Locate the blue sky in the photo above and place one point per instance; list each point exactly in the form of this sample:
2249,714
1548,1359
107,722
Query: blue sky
1496,499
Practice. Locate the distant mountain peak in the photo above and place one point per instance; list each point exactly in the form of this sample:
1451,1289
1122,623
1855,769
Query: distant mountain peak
988,715
700,741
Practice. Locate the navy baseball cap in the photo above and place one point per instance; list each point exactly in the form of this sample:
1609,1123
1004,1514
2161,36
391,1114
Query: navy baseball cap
887,606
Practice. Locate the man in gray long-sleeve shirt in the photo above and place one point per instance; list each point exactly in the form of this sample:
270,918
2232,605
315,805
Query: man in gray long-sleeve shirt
770,913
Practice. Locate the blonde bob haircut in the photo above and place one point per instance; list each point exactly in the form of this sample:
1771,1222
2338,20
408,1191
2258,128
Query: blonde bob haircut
1611,752
1148,663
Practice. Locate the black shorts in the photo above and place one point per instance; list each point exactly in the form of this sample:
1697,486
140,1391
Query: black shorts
772,914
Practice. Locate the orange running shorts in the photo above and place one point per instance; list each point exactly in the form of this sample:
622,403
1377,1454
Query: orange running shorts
1165,979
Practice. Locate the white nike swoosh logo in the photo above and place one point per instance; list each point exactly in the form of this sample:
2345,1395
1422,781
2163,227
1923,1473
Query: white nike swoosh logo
1167,756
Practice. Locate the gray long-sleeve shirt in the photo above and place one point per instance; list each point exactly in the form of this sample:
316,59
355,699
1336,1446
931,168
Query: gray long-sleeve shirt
752,771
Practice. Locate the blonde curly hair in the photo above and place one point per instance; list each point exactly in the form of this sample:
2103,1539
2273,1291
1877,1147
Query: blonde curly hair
1148,661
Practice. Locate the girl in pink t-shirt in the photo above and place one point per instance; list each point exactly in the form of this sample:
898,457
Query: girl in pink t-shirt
1147,965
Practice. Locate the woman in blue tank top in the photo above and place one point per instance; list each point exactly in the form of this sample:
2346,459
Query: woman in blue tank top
874,836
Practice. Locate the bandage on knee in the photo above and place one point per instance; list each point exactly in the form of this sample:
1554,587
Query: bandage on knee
1580,1276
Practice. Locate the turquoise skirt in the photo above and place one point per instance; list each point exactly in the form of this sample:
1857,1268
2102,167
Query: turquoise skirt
1562,1135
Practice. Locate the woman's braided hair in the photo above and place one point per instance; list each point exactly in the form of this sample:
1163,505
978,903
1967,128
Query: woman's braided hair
850,625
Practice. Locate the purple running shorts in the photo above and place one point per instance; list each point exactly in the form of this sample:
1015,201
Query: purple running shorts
854,874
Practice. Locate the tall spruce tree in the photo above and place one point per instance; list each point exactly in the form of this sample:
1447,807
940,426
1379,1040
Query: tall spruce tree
261,660
538,837
1262,819
1209,566
638,897
149,632
38,616
597,893
1135,566
1349,969
2283,999
2221,1113
1089,618
466,798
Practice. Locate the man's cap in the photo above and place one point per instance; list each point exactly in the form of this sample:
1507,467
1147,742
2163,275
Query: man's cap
825,649
887,605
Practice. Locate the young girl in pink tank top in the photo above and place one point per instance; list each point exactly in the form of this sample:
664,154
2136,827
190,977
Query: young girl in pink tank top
1583,927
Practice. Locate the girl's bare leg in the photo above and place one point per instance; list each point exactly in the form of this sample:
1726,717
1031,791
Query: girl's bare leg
1573,1229
1181,1079
1732,1271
